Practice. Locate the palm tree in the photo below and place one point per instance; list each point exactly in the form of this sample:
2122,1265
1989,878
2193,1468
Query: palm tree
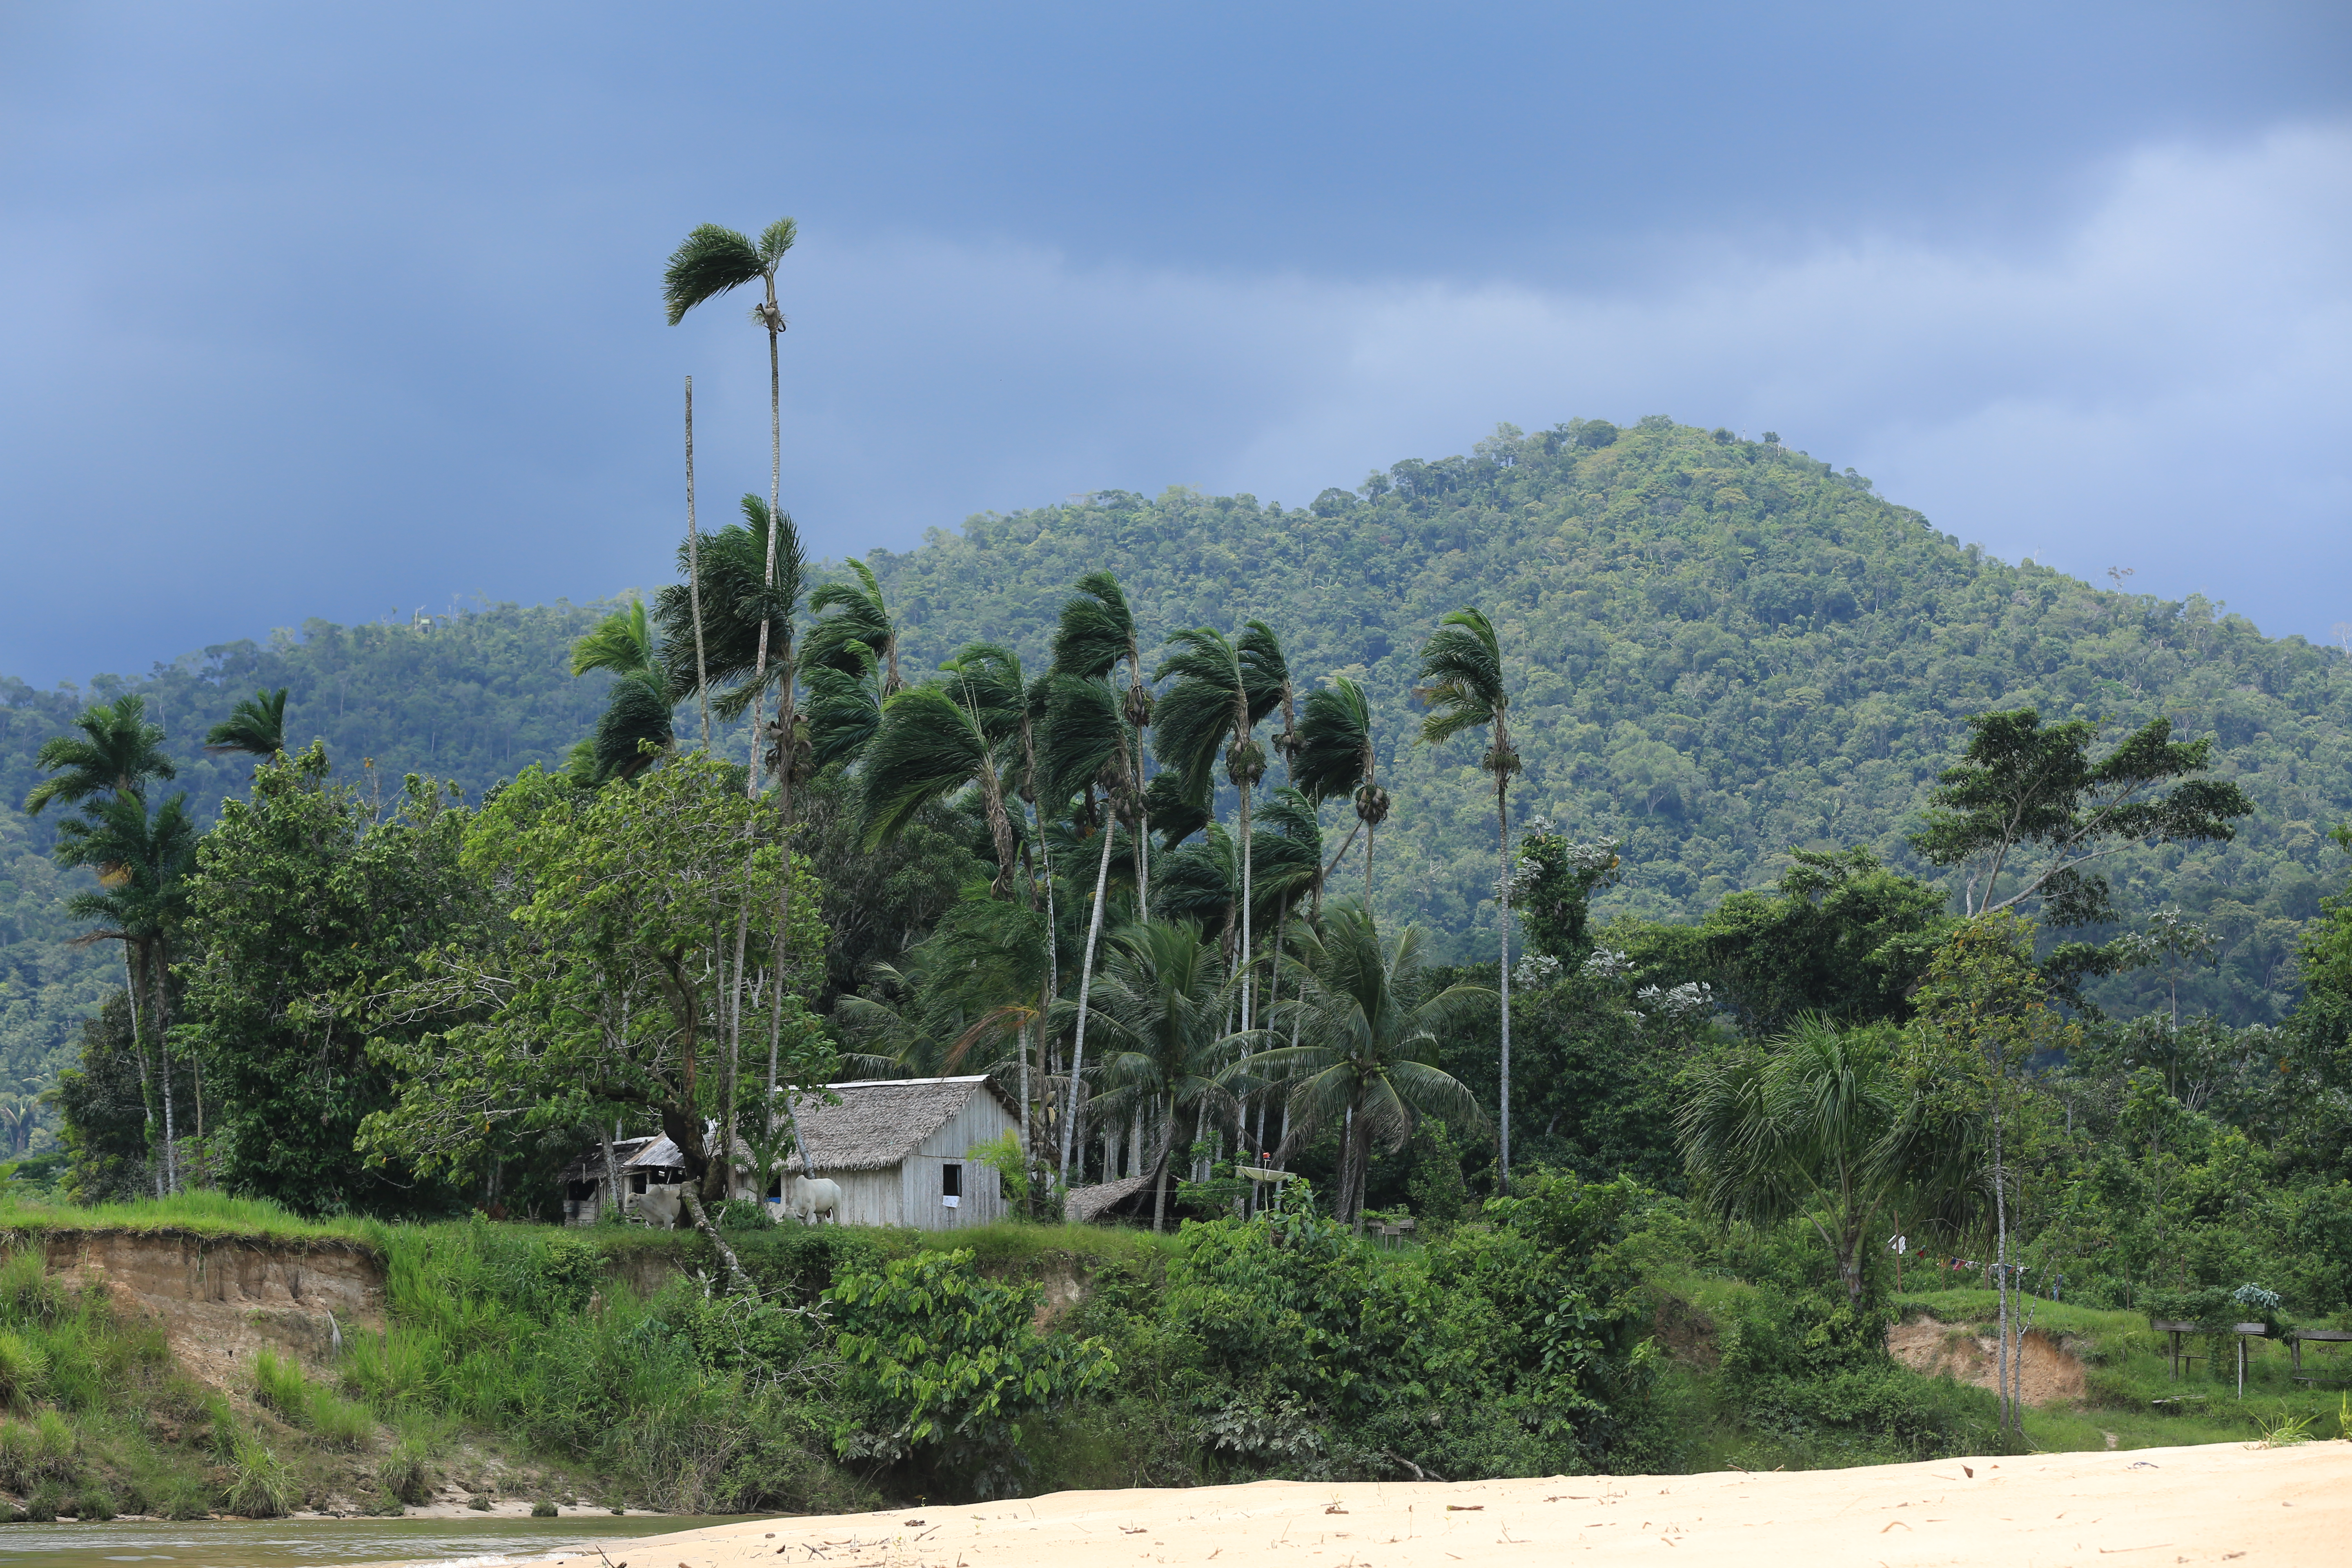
1463,663
142,866
936,739
714,261
639,708
116,753
1820,1123
1336,757
1222,689
1368,1036
255,726
861,620
1087,748
1161,1005
1094,635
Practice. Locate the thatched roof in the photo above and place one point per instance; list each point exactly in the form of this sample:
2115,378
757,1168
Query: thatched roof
880,1121
1128,1198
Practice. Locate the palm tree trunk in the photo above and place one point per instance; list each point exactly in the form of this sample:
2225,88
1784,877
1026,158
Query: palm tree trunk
1503,894
132,986
162,969
693,574
2000,1264
1245,901
1167,1155
1086,987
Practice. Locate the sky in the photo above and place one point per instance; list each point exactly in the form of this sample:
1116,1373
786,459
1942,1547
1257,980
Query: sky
339,311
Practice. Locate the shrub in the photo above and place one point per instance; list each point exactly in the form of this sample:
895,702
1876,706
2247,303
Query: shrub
543,1509
23,1368
259,1486
42,1507
96,1504
404,1475
185,1499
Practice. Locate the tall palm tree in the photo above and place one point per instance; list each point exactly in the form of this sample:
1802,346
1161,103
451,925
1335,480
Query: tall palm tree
1820,1122
859,619
1336,757
935,740
1224,687
1463,664
1161,1008
1094,635
255,726
143,865
1088,750
639,708
117,753
1367,1039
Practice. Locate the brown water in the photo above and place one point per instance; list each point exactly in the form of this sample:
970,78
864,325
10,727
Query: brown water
314,1543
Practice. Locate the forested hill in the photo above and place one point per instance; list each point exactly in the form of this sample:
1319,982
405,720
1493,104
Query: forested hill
1725,648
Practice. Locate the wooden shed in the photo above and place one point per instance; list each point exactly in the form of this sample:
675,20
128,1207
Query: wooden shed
900,1149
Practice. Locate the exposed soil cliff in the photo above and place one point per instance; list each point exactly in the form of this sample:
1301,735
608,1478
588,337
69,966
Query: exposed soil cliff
220,1299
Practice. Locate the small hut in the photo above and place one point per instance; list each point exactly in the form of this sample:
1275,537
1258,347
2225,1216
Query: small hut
652,1166
901,1149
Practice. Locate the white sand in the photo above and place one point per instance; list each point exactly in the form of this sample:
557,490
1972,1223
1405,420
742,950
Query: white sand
2216,1503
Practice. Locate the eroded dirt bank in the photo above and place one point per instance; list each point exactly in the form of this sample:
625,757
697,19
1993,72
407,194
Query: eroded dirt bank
2216,1503
2052,1373
218,1301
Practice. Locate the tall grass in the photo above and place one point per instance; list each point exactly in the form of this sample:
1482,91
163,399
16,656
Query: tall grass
209,1213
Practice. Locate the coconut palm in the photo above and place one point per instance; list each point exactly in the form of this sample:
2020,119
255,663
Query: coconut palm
1367,1039
255,726
1161,1008
143,865
714,260
1224,687
1462,664
639,708
1336,758
938,738
1820,1122
858,619
117,753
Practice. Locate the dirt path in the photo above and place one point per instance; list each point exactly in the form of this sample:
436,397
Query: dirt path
2219,1503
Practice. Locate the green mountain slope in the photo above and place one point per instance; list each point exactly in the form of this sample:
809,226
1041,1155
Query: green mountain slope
1725,649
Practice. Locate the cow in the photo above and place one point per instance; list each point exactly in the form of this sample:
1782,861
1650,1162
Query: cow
658,1206
805,1199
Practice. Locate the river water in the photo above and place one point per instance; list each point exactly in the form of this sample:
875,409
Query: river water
314,1542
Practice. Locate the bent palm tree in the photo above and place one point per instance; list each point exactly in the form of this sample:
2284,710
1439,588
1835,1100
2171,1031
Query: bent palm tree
255,726
1094,633
1222,689
1336,757
1087,748
860,619
1463,663
116,753
1161,1007
1367,1039
639,708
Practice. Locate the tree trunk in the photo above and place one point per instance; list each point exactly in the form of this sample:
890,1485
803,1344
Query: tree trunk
160,978
1245,900
1503,894
2001,1266
1167,1157
737,1280
693,574
1086,987
133,985
612,1177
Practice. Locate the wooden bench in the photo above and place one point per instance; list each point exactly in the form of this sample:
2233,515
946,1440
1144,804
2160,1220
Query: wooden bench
2295,1340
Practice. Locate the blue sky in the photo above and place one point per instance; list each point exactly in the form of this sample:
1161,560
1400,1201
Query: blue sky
317,310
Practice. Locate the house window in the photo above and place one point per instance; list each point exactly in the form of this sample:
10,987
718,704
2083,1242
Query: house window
951,1186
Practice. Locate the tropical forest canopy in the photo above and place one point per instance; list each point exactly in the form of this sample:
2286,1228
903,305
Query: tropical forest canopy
1723,650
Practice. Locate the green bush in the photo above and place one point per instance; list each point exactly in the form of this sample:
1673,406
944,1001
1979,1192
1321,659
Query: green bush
258,1486
404,1474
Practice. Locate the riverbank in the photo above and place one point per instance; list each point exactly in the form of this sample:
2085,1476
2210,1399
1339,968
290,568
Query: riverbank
2207,1504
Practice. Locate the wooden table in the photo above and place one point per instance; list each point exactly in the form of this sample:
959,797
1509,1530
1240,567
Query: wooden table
2295,1339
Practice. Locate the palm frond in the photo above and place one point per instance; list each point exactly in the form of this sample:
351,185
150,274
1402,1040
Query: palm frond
1095,629
710,262
622,642
926,749
1461,664
1335,742
1083,735
117,751
777,238
257,725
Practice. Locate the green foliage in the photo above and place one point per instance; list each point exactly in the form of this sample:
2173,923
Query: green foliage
303,904
946,1366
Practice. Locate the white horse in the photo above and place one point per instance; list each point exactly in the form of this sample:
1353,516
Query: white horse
805,1198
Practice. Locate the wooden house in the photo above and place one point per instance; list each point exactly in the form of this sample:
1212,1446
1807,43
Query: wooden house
901,1149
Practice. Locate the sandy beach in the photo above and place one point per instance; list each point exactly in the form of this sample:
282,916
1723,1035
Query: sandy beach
2218,1503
